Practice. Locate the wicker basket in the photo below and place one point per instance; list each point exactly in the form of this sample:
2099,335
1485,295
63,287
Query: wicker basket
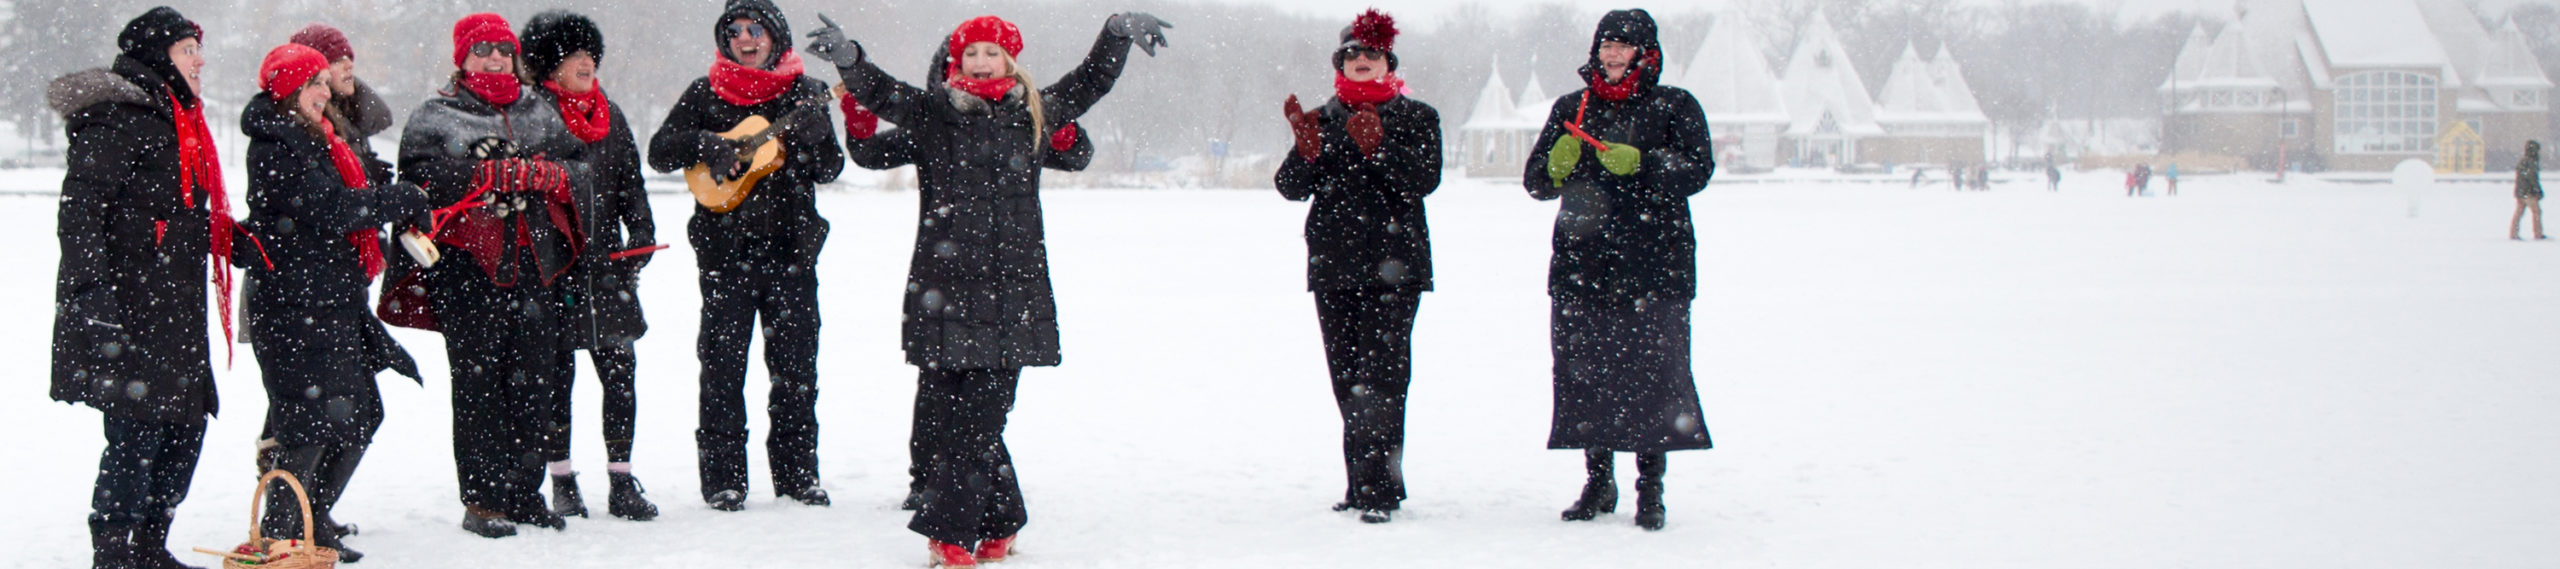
308,556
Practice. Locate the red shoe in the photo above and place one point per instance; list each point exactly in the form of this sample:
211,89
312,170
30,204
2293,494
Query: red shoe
994,550
950,555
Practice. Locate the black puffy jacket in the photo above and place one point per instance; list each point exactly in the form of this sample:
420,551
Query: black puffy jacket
1626,236
1367,228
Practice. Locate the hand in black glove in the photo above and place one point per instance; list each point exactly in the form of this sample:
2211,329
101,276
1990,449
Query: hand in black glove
493,148
101,320
829,44
1141,27
721,157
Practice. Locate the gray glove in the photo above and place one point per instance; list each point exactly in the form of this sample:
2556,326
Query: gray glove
1140,27
829,44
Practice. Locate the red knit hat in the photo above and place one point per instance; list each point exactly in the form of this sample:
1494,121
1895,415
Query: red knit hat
985,29
330,42
477,29
288,67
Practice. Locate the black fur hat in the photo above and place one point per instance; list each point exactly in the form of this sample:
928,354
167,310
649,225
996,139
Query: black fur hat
553,35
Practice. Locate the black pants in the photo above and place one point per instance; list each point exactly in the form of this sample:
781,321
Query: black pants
1368,344
145,470
503,345
787,299
324,471
971,492
616,370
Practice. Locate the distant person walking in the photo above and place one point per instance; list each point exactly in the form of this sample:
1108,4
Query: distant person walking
2528,191
2173,178
2052,177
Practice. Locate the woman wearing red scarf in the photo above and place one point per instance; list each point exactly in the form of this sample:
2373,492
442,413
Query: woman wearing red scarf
318,222
1625,153
142,210
503,171
562,50
1367,158
760,259
979,307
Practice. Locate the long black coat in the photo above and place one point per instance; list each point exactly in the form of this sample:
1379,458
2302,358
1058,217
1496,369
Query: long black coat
304,270
129,328
1367,228
780,216
978,293
603,294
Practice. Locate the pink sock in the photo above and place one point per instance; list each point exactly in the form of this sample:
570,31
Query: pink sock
618,467
561,468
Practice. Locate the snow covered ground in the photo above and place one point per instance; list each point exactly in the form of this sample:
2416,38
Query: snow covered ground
2248,375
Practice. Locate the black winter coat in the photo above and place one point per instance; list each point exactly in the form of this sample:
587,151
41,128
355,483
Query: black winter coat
978,293
779,220
435,154
1626,236
1367,228
129,325
893,148
602,293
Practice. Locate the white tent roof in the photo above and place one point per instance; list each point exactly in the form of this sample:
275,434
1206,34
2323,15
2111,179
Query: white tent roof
2505,61
1730,77
1919,91
2190,60
2232,62
1493,108
2375,33
1951,83
1820,83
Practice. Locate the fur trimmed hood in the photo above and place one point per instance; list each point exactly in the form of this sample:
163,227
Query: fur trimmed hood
80,89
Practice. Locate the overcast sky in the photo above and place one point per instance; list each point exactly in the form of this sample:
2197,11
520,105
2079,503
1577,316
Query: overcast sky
1422,14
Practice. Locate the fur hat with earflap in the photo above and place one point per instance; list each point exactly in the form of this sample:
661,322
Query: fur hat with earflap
552,36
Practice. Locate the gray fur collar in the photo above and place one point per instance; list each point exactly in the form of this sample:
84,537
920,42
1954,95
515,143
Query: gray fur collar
80,89
973,104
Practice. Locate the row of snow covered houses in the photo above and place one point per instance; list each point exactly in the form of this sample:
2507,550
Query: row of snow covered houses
2334,84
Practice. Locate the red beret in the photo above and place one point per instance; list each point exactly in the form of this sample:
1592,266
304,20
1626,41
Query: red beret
987,29
287,68
478,29
330,42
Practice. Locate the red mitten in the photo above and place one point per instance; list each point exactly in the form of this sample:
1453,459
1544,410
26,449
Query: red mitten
859,122
1366,130
1302,124
1064,139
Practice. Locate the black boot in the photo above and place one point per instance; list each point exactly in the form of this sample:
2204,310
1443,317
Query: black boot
565,501
626,502
486,523
325,536
1649,510
111,545
1600,492
151,546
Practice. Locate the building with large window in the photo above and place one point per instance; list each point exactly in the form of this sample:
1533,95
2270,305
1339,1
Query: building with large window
2356,85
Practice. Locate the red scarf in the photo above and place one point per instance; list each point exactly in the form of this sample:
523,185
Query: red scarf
747,86
1367,92
200,166
368,241
992,89
1626,86
497,88
588,116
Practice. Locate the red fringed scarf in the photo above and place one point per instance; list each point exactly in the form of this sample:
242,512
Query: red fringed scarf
368,241
1626,85
992,89
1367,92
497,88
747,86
200,166
589,117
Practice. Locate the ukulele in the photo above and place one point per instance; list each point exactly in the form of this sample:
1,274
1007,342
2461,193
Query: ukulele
758,144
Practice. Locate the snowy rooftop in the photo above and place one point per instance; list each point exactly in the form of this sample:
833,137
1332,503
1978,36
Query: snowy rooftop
1820,84
2505,61
2375,33
1921,91
1731,78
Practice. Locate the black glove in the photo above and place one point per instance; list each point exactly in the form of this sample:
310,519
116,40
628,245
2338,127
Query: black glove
720,155
829,44
100,319
493,148
1140,27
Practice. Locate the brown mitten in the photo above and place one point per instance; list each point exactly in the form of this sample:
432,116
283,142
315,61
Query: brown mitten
1303,124
1366,130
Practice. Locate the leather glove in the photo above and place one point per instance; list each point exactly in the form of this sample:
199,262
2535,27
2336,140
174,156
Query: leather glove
1621,158
1562,158
493,148
829,44
859,122
1144,29
720,155
1366,130
1064,139
1302,124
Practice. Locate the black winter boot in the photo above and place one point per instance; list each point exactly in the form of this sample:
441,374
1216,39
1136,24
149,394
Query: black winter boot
1649,510
565,501
151,546
486,523
324,536
626,502
110,545
1600,492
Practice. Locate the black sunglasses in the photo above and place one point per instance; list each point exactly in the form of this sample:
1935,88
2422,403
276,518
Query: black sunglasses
749,30
483,49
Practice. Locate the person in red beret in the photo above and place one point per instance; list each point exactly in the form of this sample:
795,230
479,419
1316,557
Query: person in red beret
503,171
317,220
361,113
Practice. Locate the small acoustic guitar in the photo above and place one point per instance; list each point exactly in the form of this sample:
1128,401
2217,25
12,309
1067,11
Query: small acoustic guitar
758,142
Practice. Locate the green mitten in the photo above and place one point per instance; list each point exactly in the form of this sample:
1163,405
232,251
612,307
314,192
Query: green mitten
1560,160
1621,158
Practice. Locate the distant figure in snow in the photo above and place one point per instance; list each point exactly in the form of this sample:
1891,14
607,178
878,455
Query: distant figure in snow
2052,177
2142,178
2528,191
1367,158
1624,153
2172,176
1915,176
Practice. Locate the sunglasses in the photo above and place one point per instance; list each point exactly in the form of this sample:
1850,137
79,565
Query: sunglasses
483,49
1366,53
749,30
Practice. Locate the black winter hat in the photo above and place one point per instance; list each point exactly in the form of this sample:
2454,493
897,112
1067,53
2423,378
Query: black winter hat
765,14
1635,27
147,39
552,36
